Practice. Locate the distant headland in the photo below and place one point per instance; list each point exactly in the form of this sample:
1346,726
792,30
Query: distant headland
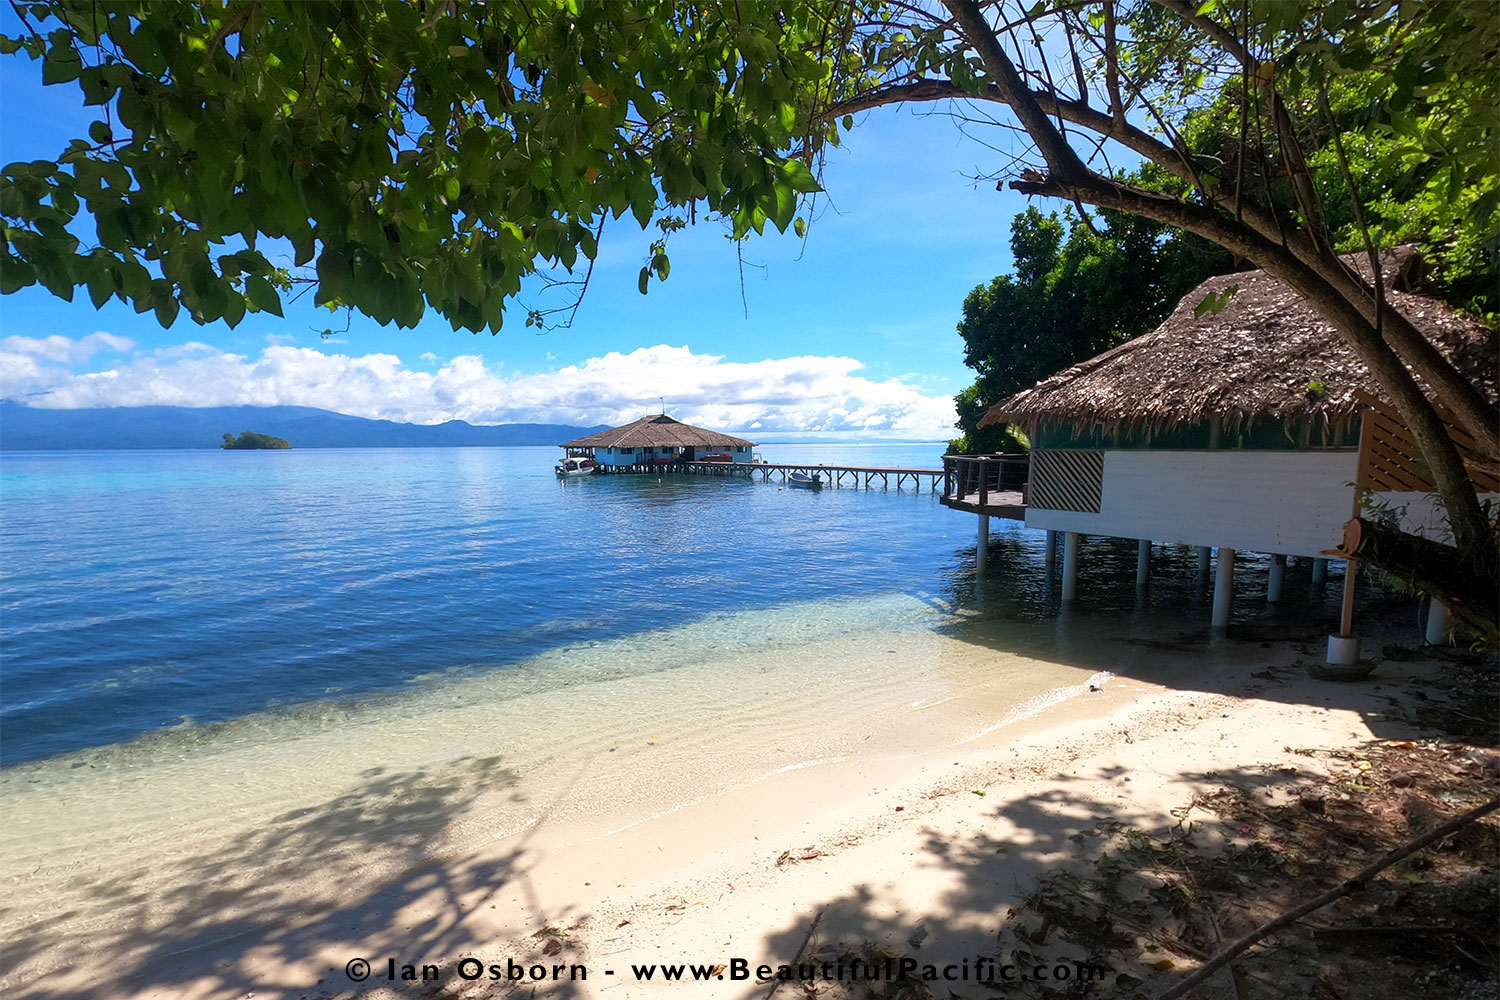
34,428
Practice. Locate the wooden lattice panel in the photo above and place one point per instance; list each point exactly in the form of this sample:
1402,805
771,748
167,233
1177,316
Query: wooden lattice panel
1391,462
1067,480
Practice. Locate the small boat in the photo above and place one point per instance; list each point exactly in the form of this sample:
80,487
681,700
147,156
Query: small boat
576,467
804,480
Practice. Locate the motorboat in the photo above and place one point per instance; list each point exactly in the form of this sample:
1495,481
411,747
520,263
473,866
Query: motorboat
576,467
805,481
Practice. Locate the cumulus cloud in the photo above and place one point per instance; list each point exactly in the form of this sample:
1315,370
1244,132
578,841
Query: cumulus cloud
804,394
35,364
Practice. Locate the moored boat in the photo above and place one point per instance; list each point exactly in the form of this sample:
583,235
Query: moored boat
804,480
576,467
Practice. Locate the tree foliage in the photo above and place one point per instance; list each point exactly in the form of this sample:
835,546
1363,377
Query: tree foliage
399,156
252,441
1078,288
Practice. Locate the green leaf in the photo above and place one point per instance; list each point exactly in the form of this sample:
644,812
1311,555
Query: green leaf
166,307
262,295
800,178
60,65
644,282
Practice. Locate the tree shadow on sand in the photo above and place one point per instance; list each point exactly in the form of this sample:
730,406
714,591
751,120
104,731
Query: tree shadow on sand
1071,880
358,868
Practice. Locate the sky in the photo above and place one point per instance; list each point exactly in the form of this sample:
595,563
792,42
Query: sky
849,333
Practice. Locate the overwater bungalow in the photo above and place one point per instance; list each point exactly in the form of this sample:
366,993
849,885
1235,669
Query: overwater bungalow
1252,429
655,441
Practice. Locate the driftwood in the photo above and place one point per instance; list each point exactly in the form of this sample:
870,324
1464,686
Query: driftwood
1355,884
1467,584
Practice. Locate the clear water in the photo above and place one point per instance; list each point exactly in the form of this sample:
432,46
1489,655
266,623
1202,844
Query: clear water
150,590
241,689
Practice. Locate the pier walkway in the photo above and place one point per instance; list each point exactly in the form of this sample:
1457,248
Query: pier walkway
832,475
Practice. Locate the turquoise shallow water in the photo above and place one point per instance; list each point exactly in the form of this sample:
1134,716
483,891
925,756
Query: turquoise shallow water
145,589
241,690
148,591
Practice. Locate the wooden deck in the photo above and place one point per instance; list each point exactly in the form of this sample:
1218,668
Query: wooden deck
994,485
996,503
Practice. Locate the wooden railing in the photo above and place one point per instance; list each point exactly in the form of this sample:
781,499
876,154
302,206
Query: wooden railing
981,475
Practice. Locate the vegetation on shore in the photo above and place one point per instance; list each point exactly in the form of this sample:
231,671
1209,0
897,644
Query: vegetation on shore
251,441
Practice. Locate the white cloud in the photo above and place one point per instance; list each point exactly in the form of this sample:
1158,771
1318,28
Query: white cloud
429,356
65,350
806,394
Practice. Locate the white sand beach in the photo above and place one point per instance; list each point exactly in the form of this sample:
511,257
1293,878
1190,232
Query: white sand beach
910,815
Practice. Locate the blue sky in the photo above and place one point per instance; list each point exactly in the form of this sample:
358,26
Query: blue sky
850,332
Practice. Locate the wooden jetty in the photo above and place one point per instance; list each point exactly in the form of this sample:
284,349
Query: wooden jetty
866,476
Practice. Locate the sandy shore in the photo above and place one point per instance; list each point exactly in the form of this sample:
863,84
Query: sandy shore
922,852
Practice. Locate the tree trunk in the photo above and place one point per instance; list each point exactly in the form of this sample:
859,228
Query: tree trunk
1070,178
1468,586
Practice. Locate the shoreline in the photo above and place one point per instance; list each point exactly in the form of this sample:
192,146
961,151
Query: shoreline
739,871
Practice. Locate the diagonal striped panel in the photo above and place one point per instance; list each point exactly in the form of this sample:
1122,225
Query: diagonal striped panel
1067,480
1391,461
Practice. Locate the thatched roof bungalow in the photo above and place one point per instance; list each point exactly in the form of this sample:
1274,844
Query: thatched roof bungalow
1266,371
658,439
1240,430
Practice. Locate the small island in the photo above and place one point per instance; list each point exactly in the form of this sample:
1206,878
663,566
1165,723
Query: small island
250,440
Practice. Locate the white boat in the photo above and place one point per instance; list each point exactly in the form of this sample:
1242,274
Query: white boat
804,480
576,467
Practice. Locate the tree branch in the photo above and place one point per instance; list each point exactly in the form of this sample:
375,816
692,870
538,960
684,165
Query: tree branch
1062,160
1354,884
1465,516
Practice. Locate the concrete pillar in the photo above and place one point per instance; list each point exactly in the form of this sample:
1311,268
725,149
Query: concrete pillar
1275,579
1049,557
1070,566
1205,558
1223,587
1320,572
1142,562
1437,623
982,553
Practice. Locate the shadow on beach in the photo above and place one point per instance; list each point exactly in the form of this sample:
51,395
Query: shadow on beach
279,897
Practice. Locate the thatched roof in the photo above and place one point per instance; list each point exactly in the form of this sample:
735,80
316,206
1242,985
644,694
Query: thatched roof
658,431
1265,355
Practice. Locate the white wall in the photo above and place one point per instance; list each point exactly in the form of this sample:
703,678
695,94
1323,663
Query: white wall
1295,503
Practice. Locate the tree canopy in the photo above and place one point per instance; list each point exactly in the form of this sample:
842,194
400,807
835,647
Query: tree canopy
1078,289
401,156
252,441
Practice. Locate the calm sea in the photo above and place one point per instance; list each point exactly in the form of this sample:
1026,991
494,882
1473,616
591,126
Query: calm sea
150,590
145,590
244,688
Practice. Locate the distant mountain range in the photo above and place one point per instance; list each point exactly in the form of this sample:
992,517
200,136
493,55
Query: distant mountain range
29,428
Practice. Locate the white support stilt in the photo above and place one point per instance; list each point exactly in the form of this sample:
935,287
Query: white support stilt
1205,559
1275,579
1437,623
1223,587
1320,572
1070,566
982,553
1142,562
1049,557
